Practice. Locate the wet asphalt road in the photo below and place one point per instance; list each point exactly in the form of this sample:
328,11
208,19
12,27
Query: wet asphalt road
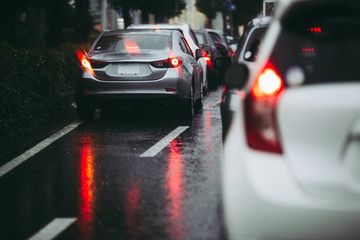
95,176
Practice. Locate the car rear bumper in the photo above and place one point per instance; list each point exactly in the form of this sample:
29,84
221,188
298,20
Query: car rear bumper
262,200
101,93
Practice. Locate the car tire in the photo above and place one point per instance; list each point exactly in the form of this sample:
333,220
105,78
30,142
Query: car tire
84,111
189,109
206,88
199,102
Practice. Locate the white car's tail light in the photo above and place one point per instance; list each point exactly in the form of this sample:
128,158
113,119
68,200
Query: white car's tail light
260,105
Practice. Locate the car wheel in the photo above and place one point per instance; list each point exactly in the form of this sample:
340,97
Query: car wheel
188,112
84,111
206,88
199,102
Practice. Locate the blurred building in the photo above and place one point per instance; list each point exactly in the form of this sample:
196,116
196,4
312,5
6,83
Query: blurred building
106,18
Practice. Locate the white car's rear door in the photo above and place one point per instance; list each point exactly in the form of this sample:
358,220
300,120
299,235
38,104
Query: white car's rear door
320,134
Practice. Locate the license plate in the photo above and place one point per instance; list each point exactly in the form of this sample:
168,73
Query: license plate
129,69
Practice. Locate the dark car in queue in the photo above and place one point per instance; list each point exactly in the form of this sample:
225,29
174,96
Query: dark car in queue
246,54
210,53
221,42
139,67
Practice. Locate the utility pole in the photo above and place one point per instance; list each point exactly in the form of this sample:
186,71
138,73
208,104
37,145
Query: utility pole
104,7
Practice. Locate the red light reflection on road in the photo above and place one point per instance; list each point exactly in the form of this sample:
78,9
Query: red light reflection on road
132,208
208,135
174,177
87,186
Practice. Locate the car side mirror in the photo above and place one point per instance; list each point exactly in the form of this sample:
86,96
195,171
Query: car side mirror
198,54
236,76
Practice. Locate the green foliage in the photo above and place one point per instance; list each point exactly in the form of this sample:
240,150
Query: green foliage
164,8
38,23
83,22
210,7
246,10
34,85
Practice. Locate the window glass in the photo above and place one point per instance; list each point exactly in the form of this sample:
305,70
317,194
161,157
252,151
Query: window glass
252,45
215,37
182,46
133,41
186,46
200,37
325,45
192,35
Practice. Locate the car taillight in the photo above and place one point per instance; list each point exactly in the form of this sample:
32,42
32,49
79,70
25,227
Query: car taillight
260,108
173,62
85,63
89,64
97,64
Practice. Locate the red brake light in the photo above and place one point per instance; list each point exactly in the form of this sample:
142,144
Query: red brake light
85,62
175,62
314,29
207,59
268,84
260,109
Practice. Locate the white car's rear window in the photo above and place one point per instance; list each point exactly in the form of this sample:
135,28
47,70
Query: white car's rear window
323,40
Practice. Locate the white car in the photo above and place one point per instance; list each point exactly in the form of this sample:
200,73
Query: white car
190,38
291,166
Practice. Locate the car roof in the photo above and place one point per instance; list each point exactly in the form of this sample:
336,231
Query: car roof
183,26
214,30
200,30
260,22
147,31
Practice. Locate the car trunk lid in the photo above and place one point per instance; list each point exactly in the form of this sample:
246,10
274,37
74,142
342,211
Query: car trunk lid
130,65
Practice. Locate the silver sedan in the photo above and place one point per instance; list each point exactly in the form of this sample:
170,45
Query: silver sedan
139,67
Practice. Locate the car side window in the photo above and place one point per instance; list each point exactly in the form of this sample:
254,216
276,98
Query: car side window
252,46
185,46
182,46
192,35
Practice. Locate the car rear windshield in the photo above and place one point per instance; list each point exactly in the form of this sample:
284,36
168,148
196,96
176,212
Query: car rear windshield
200,37
324,45
134,41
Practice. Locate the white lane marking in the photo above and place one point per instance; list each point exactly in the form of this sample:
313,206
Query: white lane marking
151,152
7,167
54,228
